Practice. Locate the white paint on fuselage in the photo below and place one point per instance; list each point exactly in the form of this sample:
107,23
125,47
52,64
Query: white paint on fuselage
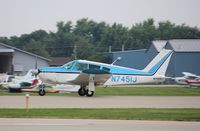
57,78
68,78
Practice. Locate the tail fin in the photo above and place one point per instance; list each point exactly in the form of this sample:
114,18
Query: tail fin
159,64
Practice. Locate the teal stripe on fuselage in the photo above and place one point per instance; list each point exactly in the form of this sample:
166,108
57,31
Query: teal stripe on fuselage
57,70
113,69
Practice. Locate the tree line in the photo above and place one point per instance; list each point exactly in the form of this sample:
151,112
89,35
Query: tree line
89,39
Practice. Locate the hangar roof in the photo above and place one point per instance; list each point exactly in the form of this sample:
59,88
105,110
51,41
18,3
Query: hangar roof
159,44
185,45
6,50
14,48
58,61
178,45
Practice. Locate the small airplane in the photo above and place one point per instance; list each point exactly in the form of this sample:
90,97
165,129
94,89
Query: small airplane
188,79
87,74
16,83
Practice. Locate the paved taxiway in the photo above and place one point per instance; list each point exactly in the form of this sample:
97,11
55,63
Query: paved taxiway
11,124
101,102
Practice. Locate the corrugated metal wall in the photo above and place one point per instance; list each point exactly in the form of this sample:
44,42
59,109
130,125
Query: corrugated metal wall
22,62
133,59
186,62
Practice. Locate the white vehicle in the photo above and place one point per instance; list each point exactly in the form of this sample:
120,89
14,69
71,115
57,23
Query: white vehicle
88,73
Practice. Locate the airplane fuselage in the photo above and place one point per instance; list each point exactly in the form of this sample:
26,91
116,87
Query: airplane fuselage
69,78
88,73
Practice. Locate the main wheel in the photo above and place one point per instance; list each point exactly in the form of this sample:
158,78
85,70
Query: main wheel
81,92
89,93
41,92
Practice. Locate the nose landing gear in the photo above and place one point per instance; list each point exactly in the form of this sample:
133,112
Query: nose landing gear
41,90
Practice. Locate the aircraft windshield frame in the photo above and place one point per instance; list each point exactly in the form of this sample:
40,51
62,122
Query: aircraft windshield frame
76,65
69,65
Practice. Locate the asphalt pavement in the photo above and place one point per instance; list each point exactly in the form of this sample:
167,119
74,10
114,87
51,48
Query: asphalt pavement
19,124
101,102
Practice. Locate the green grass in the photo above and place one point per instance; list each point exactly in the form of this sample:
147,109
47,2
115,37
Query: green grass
149,91
117,114
132,91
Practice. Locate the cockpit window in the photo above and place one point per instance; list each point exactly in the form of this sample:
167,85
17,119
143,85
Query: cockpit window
94,67
76,65
69,65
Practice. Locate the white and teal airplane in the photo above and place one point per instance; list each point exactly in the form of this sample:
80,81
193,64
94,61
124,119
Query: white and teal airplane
87,74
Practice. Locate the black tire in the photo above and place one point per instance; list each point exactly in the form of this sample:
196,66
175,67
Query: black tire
89,93
81,92
41,92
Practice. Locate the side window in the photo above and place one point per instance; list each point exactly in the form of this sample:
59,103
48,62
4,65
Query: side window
94,67
106,69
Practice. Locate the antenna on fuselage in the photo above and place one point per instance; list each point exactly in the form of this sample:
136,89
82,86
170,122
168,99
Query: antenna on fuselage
118,59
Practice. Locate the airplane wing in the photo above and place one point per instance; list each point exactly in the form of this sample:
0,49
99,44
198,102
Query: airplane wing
190,75
100,76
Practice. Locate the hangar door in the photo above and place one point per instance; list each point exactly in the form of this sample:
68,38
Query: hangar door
6,57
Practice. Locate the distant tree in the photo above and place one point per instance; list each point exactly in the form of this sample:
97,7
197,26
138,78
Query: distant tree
93,38
142,34
34,47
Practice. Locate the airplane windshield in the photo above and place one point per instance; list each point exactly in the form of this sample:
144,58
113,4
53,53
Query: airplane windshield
75,65
69,65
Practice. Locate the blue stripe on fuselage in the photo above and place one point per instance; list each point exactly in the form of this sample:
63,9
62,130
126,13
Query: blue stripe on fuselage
57,70
113,69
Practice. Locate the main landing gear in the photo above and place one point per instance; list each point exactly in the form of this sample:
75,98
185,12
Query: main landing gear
87,90
83,91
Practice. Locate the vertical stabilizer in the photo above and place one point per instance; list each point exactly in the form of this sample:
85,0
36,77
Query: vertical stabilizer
159,64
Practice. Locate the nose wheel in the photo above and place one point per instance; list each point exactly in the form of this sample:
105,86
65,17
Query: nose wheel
41,90
89,93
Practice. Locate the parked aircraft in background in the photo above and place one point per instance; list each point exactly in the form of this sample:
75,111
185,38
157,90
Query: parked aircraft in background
188,79
29,83
88,73
53,89
16,83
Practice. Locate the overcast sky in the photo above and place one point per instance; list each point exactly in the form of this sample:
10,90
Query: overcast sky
24,16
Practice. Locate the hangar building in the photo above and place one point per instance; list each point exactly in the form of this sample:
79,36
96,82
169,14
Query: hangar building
17,62
186,56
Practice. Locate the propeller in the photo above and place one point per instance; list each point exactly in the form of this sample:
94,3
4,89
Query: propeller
35,72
